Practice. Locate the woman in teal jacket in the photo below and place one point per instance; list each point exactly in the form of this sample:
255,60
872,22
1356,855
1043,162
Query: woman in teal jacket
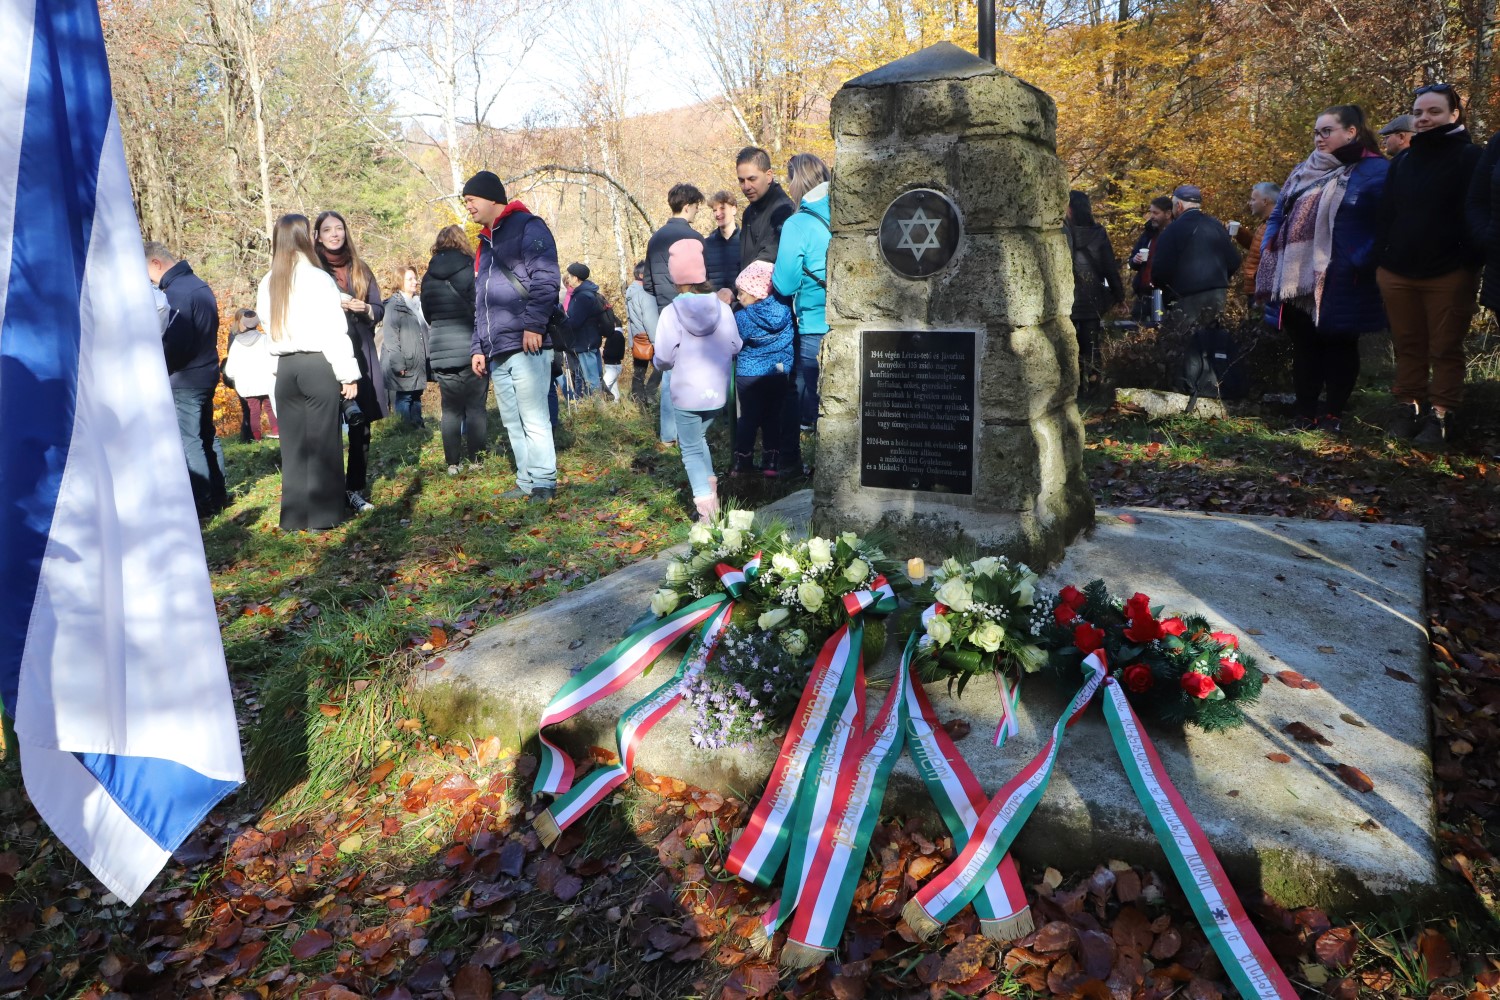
802,276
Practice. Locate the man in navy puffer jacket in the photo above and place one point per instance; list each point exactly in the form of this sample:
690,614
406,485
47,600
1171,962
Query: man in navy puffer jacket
516,280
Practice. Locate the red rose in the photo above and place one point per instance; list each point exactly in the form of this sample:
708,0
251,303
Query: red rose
1139,606
1138,678
1173,626
1198,685
1229,671
1227,639
1073,597
1088,639
1063,614
1143,630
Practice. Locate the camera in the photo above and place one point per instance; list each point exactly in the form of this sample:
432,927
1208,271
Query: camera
352,414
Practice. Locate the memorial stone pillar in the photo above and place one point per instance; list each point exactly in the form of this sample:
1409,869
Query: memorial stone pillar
950,368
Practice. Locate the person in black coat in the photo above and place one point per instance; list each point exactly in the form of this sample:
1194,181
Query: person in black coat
403,350
721,248
769,208
1158,216
448,304
1097,286
584,331
363,309
1195,261
191,344
1428,266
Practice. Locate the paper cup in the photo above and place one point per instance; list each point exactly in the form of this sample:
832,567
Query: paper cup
1234,229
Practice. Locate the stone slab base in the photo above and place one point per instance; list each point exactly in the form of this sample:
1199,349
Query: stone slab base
1338,603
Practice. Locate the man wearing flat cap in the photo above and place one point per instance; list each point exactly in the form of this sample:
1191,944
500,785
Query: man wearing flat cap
1194,262
1397,135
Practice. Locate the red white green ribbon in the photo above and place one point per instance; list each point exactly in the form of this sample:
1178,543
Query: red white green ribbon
940,899
824,895
633,726
1244,955
1001,904
758,851
1010,705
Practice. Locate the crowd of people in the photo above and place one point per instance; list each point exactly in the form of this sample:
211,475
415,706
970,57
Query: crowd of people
727,322
1368,233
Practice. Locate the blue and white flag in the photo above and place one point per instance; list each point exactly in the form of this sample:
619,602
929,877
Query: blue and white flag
111,663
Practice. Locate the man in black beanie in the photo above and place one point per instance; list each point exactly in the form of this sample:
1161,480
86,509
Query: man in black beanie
516,281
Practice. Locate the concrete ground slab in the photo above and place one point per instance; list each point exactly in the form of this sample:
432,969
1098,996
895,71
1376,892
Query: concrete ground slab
1337,602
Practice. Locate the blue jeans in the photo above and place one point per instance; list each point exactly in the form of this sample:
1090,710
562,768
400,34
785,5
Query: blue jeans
521,381
692,441
668,421
409,406
807,378
195,423
588,371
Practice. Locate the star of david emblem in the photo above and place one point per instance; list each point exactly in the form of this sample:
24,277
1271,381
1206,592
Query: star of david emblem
929,241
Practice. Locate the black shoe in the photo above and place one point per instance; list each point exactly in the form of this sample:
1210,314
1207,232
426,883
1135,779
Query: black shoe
1330,424
1403,421
1436,432
541,494
514,493
358,503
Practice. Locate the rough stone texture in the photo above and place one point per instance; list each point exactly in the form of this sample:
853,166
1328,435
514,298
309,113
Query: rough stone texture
1350,605
1157,403
944,119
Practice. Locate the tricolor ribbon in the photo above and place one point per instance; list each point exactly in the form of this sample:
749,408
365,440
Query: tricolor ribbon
1010,693
940,899
626,661
633,726
1001,903
758,851
1243,954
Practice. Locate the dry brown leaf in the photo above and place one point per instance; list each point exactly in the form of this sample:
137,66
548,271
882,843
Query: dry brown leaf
438,638
1354,778
1054,937
1335,947
382,771
1304,733
1400,675
1433,946
1352,720
312,943
473,982
1279,758
1292,679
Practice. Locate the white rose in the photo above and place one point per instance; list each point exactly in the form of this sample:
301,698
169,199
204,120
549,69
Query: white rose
857,571
700,562
820,551
785,565
741,519
677,572
956,594
794,642
1025,591
939,629
850,539
733,539
986,566
699,535
987,637
1033,658
810,595
952,567
664,601
773,619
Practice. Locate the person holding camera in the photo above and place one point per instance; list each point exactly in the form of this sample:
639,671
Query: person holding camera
315,369
359,295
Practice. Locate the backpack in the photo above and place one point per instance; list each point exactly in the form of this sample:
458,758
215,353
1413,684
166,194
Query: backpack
1212,367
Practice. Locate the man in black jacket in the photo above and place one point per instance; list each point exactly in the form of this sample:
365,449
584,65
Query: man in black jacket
191,345
584,329
769,208
1194,261
684,200
721,248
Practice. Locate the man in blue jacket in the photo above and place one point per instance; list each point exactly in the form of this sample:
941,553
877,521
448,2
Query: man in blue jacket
516,281
191,344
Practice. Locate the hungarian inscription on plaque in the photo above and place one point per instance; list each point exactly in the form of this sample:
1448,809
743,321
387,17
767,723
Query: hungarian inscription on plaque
916,409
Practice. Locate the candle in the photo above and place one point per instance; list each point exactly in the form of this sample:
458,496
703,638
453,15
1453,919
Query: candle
916,569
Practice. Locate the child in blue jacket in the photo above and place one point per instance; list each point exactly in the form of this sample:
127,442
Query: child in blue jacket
763,370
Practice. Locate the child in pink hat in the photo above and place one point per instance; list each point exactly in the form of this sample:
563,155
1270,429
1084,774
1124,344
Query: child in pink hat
762,372
696,339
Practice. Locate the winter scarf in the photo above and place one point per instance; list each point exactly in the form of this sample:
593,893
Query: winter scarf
1293,267
338,262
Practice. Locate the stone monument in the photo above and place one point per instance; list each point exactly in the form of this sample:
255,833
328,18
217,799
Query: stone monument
950,368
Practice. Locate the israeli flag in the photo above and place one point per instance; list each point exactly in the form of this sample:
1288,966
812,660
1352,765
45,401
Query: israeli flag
110,659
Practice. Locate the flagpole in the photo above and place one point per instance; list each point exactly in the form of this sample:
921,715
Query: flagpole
987,30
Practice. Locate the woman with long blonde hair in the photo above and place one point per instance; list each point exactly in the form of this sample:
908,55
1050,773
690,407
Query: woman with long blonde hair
310,341
363,310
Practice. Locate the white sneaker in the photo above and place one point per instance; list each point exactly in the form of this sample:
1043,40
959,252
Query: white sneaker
358,503
452,470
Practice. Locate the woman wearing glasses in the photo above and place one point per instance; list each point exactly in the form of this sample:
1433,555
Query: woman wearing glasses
1429,267
1316,272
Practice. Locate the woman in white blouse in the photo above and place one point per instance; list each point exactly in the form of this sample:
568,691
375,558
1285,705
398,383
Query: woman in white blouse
315,369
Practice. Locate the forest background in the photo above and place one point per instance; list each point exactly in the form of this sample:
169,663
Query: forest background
235,111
